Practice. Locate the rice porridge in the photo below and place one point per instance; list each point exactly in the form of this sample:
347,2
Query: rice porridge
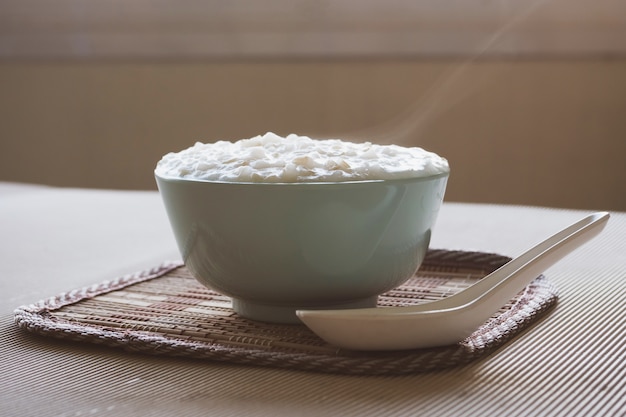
276,159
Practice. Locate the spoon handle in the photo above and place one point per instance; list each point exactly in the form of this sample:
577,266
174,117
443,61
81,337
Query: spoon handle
497,288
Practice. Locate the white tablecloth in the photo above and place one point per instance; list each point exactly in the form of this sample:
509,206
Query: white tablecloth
573,362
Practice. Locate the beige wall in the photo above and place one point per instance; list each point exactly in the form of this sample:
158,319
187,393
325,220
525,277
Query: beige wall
541,132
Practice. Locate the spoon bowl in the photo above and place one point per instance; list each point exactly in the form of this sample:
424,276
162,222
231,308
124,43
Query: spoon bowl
454,318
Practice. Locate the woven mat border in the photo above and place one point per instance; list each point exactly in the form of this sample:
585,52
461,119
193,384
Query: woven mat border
537,299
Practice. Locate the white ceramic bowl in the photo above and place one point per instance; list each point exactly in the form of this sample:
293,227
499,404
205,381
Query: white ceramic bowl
278,247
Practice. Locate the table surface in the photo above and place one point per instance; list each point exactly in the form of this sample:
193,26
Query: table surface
573,362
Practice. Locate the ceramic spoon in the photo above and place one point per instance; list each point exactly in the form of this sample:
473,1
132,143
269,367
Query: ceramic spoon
454,318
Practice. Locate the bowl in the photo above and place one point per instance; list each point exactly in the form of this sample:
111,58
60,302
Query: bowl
275,248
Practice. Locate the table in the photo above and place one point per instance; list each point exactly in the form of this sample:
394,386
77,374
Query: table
573,362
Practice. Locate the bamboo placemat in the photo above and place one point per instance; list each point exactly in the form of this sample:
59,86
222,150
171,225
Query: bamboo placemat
165,311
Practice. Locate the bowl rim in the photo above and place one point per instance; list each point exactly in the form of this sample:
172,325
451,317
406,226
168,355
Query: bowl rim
421,178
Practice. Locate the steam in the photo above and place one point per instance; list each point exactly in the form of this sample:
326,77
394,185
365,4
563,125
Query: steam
448,90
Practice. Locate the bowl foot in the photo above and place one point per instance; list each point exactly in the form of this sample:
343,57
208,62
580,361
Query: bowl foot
287,314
